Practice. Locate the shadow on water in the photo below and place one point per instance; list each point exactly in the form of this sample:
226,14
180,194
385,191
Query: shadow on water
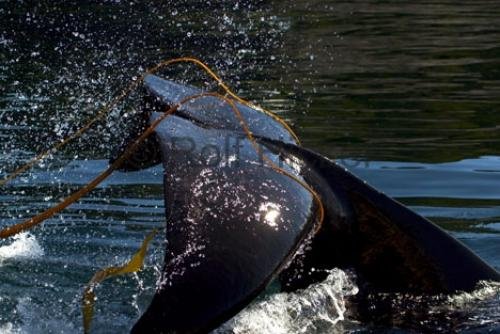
405,94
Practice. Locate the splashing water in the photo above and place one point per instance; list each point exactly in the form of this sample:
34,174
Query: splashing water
8,329
35,320
480,308
318,308
24,246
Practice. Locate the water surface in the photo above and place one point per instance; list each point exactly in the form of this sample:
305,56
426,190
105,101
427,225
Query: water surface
405,95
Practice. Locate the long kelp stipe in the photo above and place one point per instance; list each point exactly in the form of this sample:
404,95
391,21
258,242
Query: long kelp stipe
36,220
136,262
125,93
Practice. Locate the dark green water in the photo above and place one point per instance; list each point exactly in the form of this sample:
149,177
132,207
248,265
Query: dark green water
405,95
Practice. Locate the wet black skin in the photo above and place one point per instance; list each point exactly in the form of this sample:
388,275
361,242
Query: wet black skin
232,253
221,249
392,248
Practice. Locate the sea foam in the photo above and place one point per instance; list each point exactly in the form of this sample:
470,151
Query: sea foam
23,246
318,308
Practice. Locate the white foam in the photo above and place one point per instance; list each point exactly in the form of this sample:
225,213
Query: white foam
484,291
9,328
35,320
319,308
24,245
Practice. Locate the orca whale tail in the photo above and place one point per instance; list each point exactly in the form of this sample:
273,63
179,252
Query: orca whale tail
234,226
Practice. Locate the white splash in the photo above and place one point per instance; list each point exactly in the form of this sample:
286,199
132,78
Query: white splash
319,308
270,213
484,291
24,245
9,328
36,318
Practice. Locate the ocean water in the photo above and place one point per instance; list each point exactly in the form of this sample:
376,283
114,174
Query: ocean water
404,95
